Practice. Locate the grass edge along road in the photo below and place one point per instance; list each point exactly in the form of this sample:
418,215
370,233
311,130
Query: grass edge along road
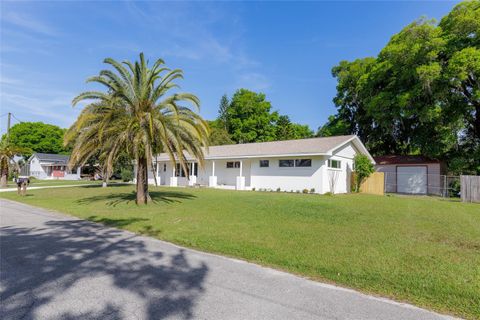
419,250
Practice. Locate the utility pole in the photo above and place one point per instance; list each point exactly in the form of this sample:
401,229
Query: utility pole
8,126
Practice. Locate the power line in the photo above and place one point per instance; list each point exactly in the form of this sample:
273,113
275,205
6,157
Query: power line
16,118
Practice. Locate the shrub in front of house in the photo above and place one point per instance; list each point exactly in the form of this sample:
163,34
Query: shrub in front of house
127,175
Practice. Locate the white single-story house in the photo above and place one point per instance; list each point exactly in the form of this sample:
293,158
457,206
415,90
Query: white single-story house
412,174
319,165
51,166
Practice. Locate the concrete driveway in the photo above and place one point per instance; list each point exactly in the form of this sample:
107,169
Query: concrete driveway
58,267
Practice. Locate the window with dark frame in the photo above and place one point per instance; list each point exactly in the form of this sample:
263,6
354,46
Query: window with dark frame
164,167
264,163
298,163
334,164
179,172
286,163
233,164
303,162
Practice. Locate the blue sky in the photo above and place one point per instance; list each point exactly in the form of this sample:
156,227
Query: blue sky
284,49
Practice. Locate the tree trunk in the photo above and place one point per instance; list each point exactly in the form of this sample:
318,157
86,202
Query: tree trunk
4,173
142,181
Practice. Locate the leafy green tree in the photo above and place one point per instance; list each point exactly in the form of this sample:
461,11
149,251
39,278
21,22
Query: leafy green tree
249,117
222,111
284,130
423,87
218,134
287,130
363,169
136,115
8,151
37,137
334,127
301,131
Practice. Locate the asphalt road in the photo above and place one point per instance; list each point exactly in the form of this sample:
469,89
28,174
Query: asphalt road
58,267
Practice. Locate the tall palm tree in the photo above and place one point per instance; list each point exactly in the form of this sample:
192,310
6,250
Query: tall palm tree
137,114
91,135
7,152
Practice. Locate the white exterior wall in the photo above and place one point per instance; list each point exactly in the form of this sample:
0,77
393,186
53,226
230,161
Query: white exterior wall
43,171
289,178
36,170
340,179
318,176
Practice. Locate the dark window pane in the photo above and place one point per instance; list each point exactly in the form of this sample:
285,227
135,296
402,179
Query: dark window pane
303,162
336,164
179,172
233,164
264,163
285,163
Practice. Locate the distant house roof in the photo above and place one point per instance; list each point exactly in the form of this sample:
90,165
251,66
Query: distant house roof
399,159
60,159
313,146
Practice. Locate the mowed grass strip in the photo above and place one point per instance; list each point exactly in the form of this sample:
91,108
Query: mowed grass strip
421,250
54,182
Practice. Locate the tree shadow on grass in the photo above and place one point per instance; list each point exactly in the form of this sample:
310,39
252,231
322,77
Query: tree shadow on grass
110,185
115,222
114,199
74,269
120,223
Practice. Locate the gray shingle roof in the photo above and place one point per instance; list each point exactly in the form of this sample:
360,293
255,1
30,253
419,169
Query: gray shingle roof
284,148
53,158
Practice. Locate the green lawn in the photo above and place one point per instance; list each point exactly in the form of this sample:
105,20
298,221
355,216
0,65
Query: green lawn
421,250
48,183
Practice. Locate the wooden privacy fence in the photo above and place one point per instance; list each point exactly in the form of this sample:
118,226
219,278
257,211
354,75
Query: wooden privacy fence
470,188
375,184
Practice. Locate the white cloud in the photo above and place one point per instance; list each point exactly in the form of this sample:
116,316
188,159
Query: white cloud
28,23
6,80
192,32
34,103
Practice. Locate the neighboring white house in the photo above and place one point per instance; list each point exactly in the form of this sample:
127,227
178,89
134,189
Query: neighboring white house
319,164
51,166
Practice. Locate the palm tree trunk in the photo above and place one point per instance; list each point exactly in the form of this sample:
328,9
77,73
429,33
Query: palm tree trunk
4,174
142,181
104,179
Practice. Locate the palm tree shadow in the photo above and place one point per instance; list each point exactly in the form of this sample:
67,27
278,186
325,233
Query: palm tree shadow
114,199
121,223
47,267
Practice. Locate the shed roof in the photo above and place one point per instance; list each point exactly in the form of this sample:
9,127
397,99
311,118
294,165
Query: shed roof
403,159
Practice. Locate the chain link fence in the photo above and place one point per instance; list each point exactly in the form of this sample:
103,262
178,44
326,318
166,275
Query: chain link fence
422,184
